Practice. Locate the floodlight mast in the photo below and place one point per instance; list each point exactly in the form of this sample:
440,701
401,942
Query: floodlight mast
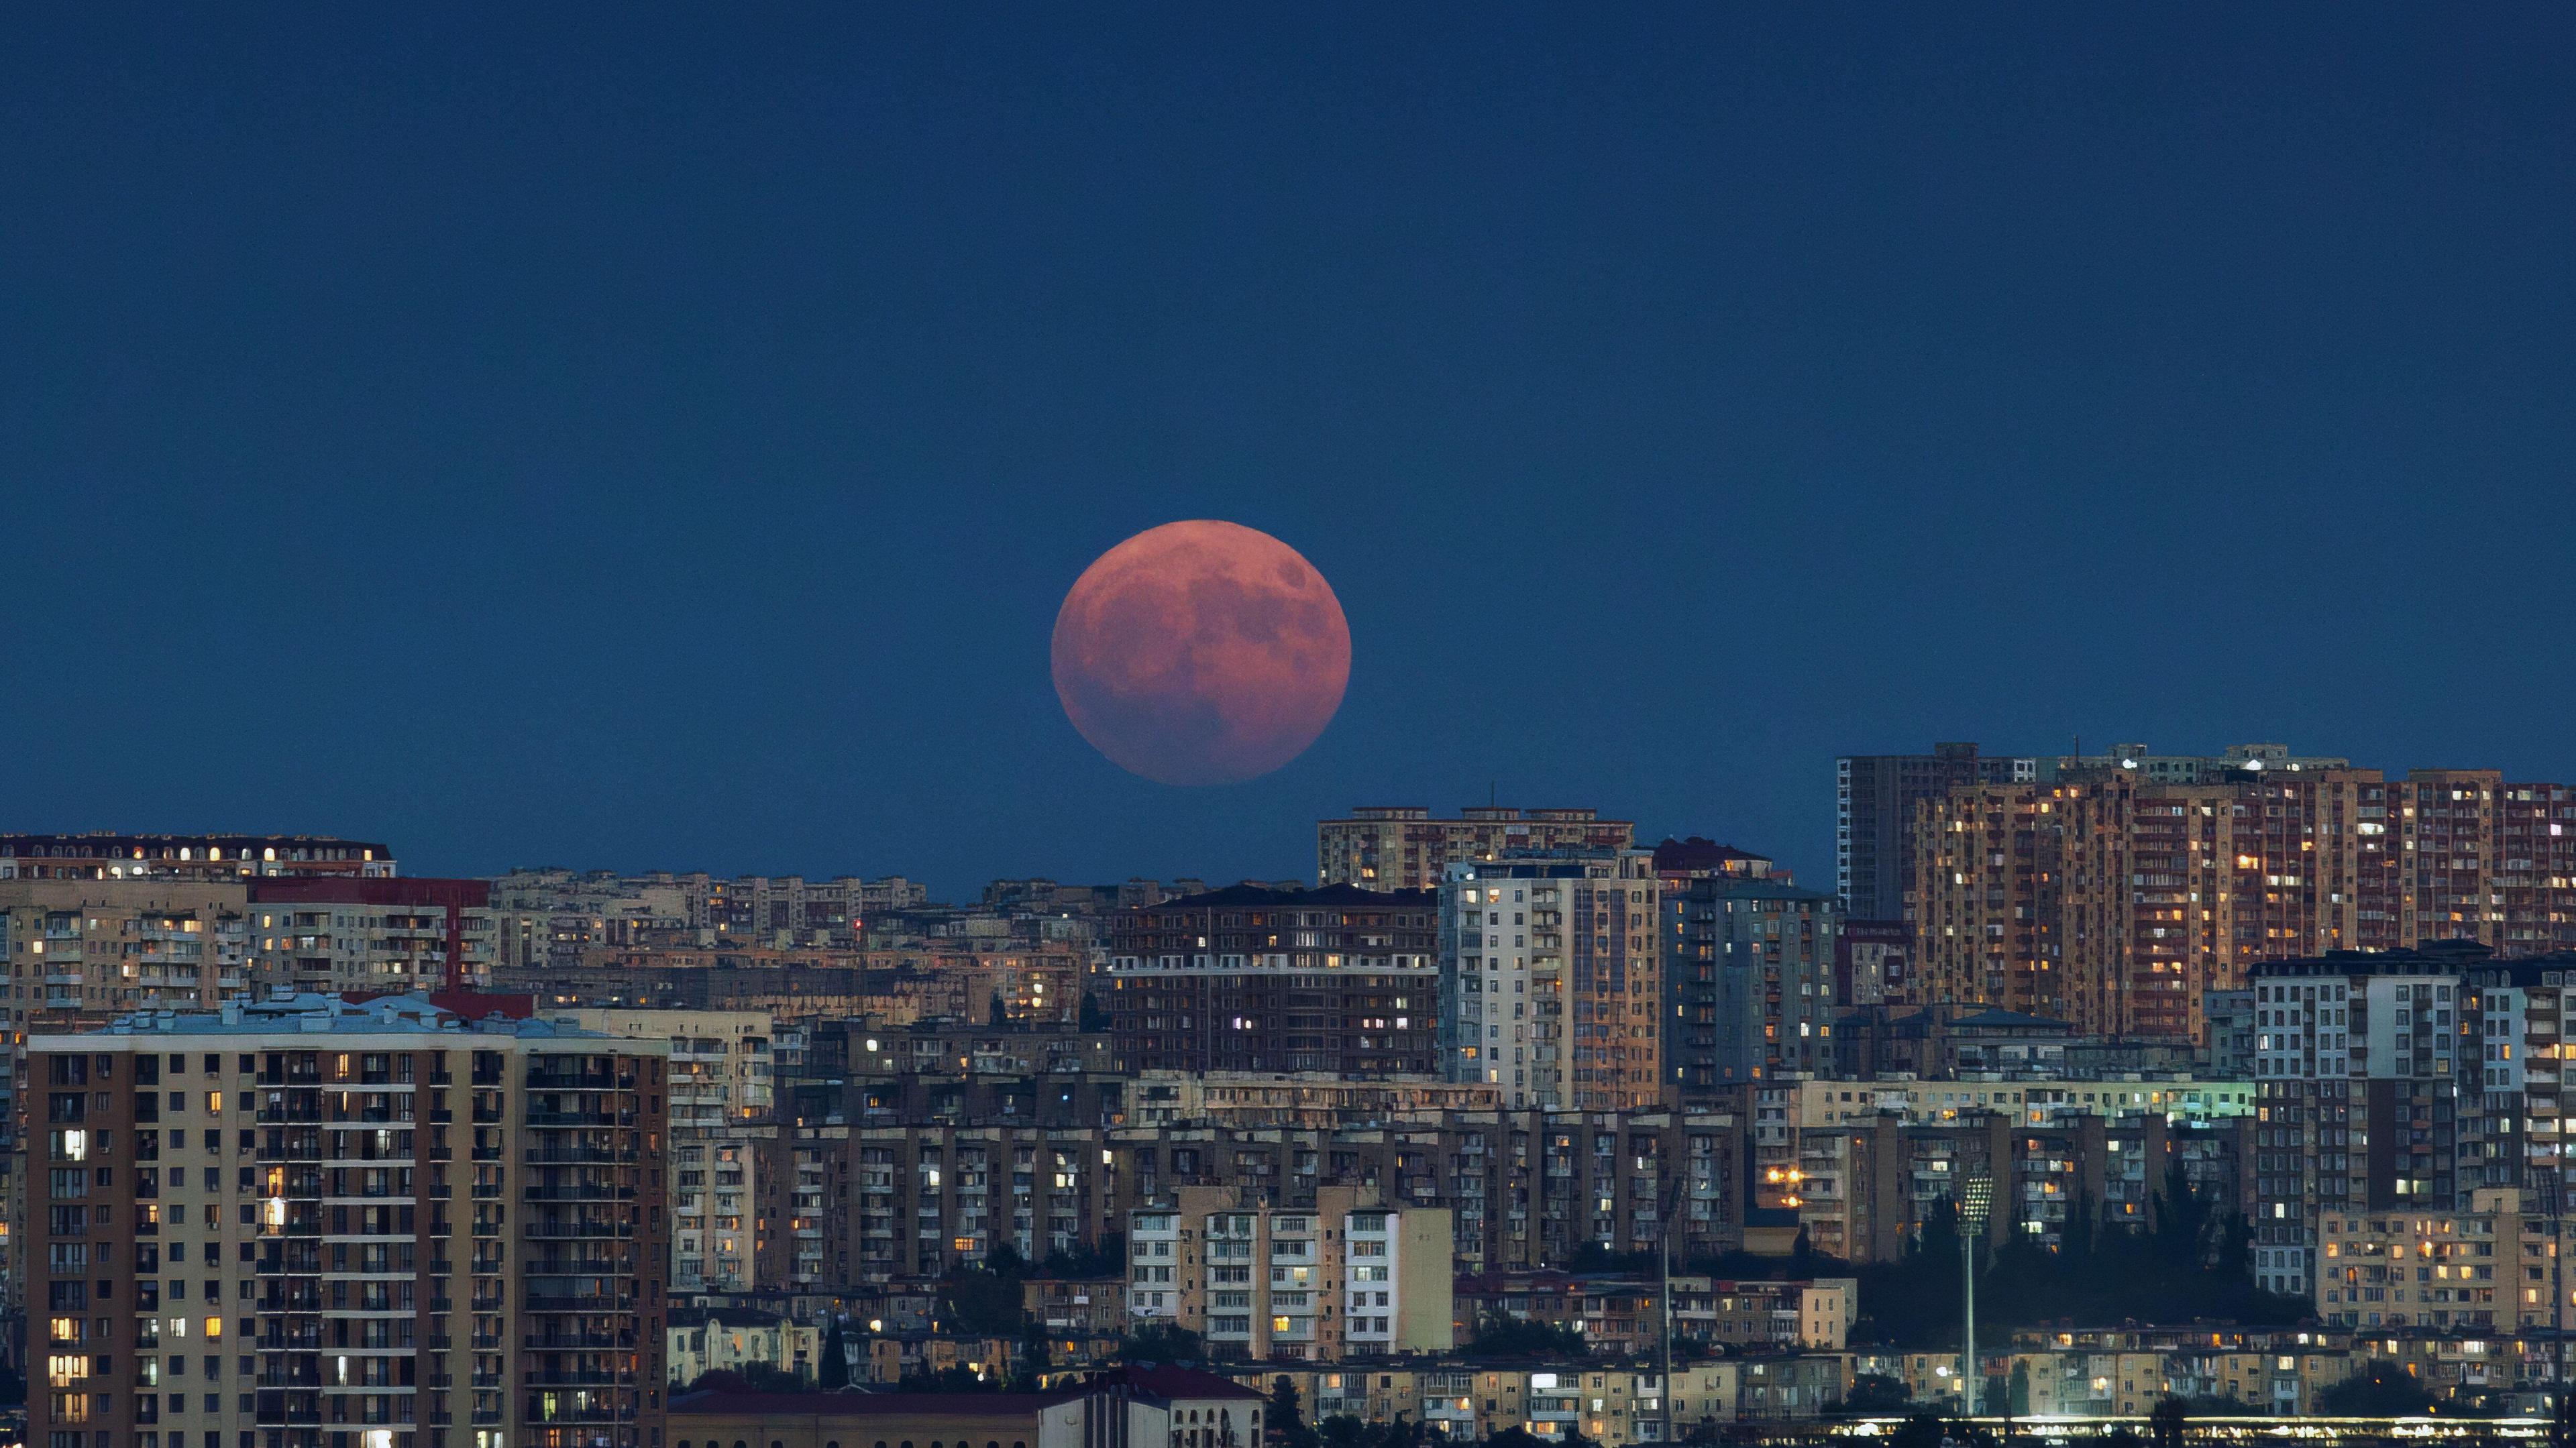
1976,1204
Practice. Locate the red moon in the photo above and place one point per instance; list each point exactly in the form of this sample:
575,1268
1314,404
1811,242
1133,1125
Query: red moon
1201,653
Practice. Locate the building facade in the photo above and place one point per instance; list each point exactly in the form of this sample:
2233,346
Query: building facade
728,1232
1401,847
1248,978
1750,980
1346,1277
2118,900
107,855
1875,798
372,933
314,1224
1552,985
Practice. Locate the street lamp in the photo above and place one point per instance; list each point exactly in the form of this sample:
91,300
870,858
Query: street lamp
1976,1203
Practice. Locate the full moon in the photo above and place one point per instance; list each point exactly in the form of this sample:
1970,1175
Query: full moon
1201,653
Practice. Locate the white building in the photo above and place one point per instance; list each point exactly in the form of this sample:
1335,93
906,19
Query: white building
1551,978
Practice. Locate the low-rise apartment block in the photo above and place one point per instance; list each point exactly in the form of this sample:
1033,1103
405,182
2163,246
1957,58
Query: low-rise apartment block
1344,1278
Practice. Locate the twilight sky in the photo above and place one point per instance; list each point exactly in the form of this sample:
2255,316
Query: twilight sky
623,439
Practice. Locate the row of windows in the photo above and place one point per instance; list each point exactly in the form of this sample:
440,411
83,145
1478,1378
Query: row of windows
881,1443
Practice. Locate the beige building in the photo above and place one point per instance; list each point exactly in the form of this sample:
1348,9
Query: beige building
2489,1269
1346,1278
1401,847
83,952
1551,978
724,1141
709,1339
330,935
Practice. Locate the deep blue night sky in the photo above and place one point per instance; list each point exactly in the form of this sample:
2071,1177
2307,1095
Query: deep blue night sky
621,440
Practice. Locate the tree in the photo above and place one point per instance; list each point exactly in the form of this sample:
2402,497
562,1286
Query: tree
1802,1254
2382,1392
1923,1430
1877,1395
763,1378
986,1299
1286,1422
835,1368
2017,1402
2165,1424
1501,1334
1160,1342
1341,1431
1037,1354
1092,1018
999,1016
957,1379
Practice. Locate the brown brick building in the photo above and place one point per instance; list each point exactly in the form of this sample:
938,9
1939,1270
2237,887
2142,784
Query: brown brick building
1249,978
2112,901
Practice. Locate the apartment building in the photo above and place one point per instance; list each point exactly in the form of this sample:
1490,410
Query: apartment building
1750,967
1344,1278
2490,1269
2118,899
1551,979
357,933
82,952
322,1225
108,855
1862,1164
1250,978
729,1232
925,1199
700,1340
1305,1098
1401,847
1875,799
2356,1056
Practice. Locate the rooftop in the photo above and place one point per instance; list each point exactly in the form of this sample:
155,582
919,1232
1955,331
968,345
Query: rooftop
1345,896
306,1014
718,1403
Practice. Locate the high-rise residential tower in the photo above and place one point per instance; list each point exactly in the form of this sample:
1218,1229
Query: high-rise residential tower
1875,797
1551,983
311,1224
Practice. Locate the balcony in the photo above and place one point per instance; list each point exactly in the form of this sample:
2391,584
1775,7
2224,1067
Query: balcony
555,1341
582,1192
575,1156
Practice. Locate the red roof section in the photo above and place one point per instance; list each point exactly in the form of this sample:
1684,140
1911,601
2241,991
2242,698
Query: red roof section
473,1005
369,890
865,1405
